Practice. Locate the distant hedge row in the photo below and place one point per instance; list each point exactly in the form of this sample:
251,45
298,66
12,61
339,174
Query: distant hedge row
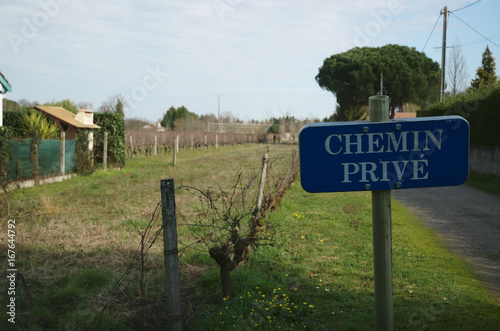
481,109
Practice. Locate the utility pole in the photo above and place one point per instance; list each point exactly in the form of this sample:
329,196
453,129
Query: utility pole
443,55
219,125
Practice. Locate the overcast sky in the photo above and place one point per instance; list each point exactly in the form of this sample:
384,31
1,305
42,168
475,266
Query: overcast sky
262,56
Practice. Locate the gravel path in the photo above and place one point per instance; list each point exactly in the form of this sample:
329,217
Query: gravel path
467,219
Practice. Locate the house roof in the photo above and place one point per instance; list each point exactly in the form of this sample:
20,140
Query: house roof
5,84
65,116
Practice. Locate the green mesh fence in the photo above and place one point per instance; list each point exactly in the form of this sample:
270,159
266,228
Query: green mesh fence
21,150
69,156
49,158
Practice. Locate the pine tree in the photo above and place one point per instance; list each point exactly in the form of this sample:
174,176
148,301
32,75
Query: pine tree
485,74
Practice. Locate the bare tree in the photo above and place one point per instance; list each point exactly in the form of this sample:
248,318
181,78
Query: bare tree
457,71
115,104
85,105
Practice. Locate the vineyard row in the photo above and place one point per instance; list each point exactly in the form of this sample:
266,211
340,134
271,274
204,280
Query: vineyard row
140,142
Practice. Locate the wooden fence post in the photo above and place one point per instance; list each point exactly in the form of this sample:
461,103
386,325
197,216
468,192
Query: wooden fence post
176,149
34,157
170,252
105,151
262,183
131,147
156,143
63,152
382,235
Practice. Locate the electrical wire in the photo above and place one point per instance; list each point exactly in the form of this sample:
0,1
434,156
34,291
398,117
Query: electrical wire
432,31
465,6
495,36
479,33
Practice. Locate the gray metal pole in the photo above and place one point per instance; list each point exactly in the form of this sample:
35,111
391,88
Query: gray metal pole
170,252
382,235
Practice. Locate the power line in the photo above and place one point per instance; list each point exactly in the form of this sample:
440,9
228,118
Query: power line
465,6
495,36
432,30
479,33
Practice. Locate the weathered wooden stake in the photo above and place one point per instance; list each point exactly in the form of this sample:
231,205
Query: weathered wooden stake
170,252
105,151
382,235
156,144
176,149
131,147
262,183
63,152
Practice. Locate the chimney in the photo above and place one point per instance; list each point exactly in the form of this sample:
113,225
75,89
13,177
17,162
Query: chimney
85,116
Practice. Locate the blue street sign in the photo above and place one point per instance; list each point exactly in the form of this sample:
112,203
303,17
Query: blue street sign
399,154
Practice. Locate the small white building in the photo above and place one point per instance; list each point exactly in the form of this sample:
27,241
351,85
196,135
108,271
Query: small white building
4,88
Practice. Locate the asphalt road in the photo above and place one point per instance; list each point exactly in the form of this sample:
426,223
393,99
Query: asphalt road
468,221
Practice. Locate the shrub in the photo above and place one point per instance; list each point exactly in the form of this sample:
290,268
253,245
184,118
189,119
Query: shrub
13,120
83,159
36,122
5,136
114,124
480,109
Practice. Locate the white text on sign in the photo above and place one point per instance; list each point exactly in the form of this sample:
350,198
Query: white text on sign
388,142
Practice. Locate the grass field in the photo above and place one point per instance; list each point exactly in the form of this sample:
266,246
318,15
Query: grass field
75,239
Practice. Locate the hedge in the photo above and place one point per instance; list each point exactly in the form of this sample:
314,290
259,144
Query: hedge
481,109
114,124
5,137
13,120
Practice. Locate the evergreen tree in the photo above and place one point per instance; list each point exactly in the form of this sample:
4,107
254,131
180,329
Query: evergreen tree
174,114
485,74
354,76
119,107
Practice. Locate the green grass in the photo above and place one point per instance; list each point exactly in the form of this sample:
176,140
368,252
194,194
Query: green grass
75,239
487,183
322,262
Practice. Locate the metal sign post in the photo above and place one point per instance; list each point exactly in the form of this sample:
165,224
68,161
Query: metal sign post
380,155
